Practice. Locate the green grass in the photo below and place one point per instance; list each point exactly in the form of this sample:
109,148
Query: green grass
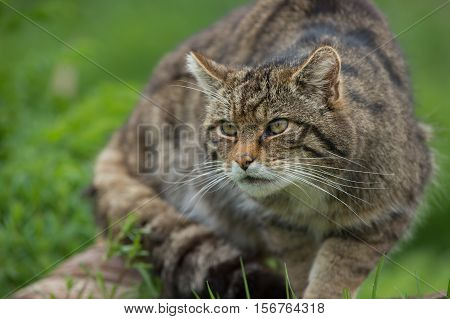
377,277
290,294
50,133
448,290
128,245
244,278
431,267
210,292
346,294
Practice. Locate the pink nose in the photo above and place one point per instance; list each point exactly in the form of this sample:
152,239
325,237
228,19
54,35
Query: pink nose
244,161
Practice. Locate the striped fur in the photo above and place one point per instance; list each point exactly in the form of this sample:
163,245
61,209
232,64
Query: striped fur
332,70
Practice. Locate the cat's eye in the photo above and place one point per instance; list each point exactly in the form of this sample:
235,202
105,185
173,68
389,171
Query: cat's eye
277,127
228,129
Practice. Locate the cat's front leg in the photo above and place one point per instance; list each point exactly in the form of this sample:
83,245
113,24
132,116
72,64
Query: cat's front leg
344,261
298,264
296,251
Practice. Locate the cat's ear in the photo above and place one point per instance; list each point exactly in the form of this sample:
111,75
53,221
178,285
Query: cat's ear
322,70
209,74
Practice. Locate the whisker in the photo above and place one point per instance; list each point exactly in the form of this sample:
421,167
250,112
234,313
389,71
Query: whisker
297,165
200,194
203,164
342,178
202,91
205,90
203,176
343,169
318,175
329,183
291,182
302,158
335,197
196,177
346,159
211,95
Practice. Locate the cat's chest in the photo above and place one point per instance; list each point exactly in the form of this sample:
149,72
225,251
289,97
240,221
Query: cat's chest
298,206
229,210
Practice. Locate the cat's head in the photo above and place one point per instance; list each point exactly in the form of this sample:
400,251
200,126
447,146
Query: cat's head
273,126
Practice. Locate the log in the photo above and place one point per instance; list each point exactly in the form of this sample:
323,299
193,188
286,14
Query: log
118,281
78,277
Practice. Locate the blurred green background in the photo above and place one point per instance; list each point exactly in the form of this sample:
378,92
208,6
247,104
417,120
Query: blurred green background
57,111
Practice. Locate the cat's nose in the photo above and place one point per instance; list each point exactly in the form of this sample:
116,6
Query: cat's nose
244,161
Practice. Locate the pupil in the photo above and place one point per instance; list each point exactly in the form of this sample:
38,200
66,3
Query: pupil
228,129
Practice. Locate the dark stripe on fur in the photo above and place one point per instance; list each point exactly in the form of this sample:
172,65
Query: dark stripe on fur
322,7
312,151
369,38
330,145
266,26
349,70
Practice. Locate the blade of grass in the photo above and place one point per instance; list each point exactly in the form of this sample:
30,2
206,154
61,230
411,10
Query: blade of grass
290,294
211,294
148,284
69,286
377,276
112,293
100,279
244,277
346,294
448,290
195,294
286,284
419,293
82,290
87,272
401,294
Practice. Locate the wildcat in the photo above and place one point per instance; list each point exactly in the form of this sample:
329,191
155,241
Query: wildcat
311,151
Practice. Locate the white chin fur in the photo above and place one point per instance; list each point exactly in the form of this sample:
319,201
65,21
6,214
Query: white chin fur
267,186
261,190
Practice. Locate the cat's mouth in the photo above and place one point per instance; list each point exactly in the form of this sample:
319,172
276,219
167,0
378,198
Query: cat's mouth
255,180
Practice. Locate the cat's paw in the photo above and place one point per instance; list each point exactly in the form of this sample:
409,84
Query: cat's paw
227,281
263,283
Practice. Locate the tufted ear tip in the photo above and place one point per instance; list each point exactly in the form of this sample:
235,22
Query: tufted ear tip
207,72
193,61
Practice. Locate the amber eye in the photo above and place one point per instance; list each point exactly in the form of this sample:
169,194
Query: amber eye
277,127
228,129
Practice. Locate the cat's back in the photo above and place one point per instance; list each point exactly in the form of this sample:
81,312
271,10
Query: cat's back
285,31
